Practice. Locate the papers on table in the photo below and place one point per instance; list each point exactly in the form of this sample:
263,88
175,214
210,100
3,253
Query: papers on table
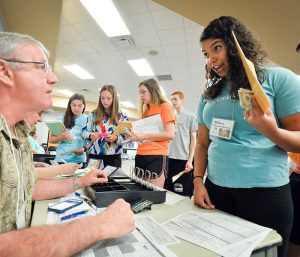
148,239
134,244
219,232
155,232
257,89
172,198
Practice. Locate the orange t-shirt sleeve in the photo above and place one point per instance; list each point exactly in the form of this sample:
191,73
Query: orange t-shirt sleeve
167,113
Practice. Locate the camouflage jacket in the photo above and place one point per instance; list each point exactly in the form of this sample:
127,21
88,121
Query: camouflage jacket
9,180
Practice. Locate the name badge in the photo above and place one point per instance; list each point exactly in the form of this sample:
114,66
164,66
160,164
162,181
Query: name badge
221,128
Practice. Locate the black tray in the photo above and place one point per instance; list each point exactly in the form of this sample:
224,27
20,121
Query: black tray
126,188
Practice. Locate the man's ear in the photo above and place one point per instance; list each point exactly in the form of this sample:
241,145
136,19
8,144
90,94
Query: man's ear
6,74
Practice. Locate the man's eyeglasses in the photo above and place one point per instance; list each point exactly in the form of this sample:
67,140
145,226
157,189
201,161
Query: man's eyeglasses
46,67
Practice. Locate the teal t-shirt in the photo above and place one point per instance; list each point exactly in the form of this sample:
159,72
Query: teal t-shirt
77,142
35,146
249,159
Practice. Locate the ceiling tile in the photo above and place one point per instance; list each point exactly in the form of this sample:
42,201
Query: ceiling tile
130,6
140,23
172,37
193,34
89,30
175,50
166,19
69,34
178,61
146,39
154,6
132,54
83,47
65,50
113,56
102,44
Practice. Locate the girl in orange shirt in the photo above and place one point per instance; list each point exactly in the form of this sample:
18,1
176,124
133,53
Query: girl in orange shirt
153,154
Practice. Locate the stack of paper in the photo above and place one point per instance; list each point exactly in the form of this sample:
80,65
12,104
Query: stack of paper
257,89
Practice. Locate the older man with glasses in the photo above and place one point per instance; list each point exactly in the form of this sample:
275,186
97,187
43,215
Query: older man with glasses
26,83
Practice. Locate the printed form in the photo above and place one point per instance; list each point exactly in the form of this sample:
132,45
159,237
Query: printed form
219,232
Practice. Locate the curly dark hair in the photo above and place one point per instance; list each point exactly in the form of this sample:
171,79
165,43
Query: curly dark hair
69,117
222,28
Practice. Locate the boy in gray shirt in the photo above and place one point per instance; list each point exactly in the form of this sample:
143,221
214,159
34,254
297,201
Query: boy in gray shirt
182,149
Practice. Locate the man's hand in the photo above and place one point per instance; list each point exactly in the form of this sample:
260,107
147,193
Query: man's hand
68,168
40,164
93,177
118,219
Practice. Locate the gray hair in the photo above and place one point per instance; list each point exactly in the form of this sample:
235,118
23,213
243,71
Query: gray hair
10,41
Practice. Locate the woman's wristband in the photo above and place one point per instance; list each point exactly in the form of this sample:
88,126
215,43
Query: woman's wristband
198,177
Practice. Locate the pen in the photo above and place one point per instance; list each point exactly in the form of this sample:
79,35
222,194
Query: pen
91,204
86,199
73,215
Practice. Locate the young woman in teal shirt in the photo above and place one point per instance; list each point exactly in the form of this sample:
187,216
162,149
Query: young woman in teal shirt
247,171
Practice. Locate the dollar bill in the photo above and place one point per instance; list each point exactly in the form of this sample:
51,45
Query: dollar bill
245,97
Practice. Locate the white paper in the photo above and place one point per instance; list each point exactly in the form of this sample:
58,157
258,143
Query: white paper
155,232
150,124
172,198
219,232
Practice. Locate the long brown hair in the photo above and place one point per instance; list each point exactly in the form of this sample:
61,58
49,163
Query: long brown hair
156,96
69,117
114,109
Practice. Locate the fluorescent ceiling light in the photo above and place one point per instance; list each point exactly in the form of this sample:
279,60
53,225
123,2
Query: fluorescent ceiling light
162,91
107,16
127,104
66,92
141,67
78,71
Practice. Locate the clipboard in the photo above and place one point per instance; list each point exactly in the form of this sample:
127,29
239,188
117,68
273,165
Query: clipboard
119,129
260,95
56,127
